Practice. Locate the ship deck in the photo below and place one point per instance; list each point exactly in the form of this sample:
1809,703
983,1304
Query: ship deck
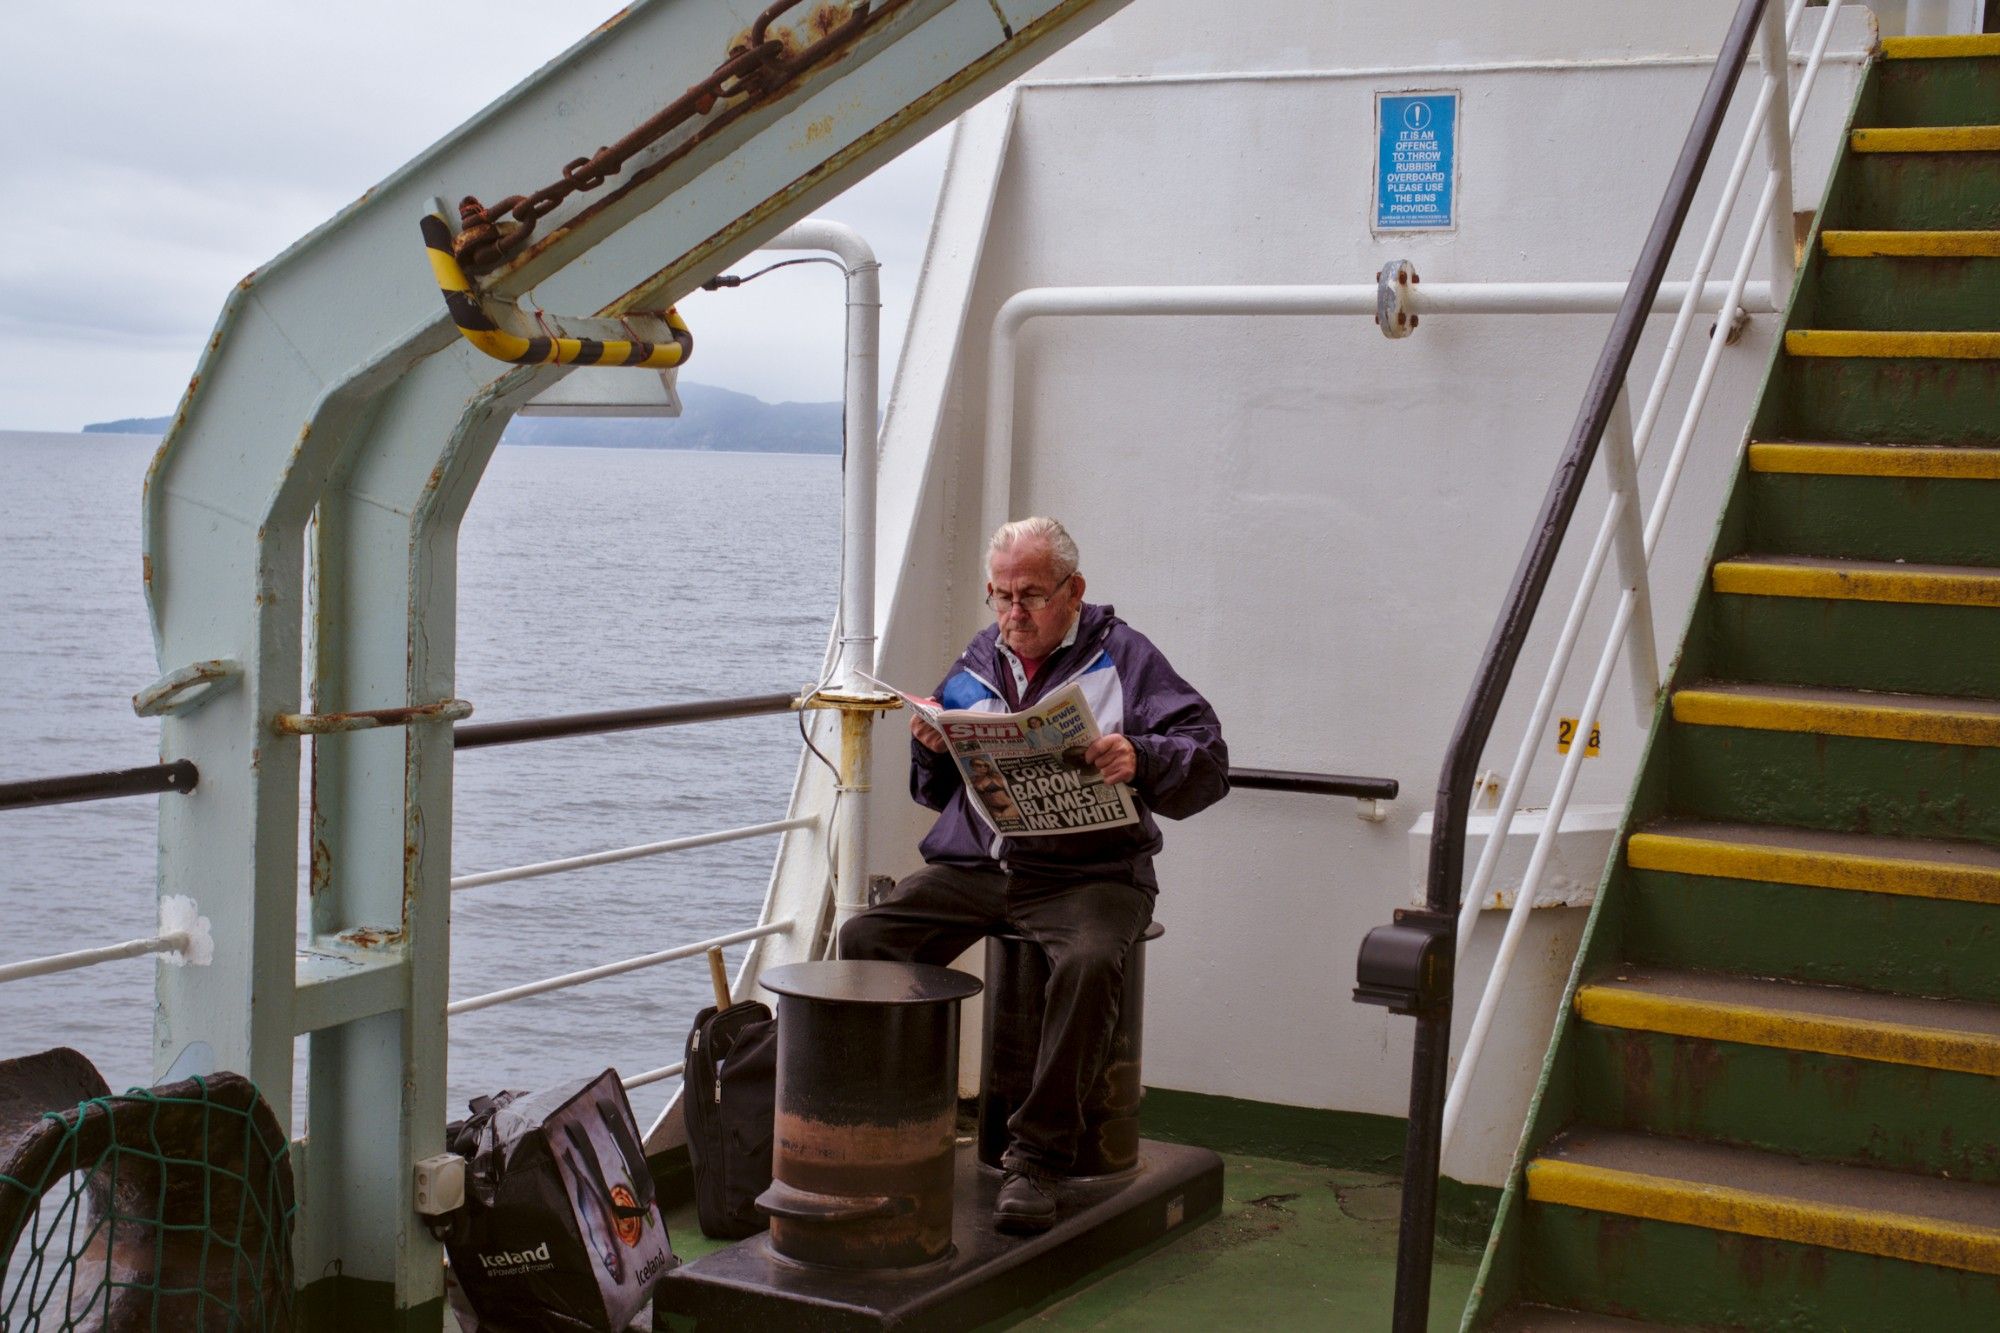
1296,1246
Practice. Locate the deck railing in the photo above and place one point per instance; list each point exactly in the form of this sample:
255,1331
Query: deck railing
186,939
1410,965
181,776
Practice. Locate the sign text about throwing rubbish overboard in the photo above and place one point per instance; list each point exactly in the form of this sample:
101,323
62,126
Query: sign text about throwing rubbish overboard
1416,161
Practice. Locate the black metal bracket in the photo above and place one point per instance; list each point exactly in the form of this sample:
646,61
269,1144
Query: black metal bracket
1408,966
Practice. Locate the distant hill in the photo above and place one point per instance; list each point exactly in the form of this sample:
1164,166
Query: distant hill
711,418
130,426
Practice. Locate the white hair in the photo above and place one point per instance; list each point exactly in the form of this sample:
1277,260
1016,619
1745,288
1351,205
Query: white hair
1045,531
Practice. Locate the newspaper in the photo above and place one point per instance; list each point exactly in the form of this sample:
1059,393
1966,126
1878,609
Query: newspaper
1025,770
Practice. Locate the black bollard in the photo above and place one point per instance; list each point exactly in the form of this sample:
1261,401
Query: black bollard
867,1103
1017,975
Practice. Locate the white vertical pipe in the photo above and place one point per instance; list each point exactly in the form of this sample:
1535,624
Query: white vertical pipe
1779,246
855,648
1622,470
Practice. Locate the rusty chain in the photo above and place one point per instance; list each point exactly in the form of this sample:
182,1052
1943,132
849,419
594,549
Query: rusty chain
758,66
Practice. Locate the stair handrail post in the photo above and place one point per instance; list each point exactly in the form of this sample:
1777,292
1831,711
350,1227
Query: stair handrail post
1776,52
1430,1058
1642,656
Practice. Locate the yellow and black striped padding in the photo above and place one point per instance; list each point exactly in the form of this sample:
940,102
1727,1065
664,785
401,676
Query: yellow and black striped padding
486,333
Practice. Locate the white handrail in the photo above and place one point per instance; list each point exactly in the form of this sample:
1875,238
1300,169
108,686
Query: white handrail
1765,124
617,854
569,979
1430,298
184,936
173,942
661,1074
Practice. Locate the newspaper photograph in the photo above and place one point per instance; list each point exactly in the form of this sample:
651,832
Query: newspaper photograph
1025,771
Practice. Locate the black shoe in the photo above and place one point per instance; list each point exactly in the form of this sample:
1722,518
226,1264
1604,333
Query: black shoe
1025,1206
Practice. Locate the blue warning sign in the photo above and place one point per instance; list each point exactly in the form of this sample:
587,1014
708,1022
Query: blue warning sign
1416,161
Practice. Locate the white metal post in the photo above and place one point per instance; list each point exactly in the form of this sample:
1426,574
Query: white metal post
854,650
1777,55
1621,468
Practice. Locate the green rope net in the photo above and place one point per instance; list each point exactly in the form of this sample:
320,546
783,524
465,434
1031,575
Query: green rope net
168,1208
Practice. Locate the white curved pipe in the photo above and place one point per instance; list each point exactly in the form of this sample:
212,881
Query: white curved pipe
855,648
1435,298
864,359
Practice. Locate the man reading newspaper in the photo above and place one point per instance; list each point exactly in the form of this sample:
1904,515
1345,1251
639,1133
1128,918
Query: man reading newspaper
1084,895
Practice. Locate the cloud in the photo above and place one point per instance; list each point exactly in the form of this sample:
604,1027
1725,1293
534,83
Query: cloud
175,148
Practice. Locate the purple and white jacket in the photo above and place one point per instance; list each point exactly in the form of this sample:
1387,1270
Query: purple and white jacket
1133,690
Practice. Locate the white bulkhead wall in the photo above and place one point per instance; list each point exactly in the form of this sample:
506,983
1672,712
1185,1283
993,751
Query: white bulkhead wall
1316,524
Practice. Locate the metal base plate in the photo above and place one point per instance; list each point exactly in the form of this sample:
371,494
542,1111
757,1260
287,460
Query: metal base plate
1098,1223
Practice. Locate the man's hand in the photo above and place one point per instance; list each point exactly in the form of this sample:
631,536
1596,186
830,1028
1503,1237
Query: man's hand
927,735
1113,757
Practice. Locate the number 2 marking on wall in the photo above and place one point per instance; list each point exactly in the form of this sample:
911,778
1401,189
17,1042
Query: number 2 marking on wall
1566,736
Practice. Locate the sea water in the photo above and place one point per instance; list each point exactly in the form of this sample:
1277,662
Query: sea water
588,579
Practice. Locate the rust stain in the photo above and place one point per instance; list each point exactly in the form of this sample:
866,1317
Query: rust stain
370,937
911,1164
146,566
819,129
1635,1067
322,858
612,22
1698,1070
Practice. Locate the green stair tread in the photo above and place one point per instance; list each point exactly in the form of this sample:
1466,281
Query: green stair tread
1912,945
1923,648
1865,566
1806,1000
1918,1198
1908,293
1822,694
1548,1319
1935,512
1954,90
1888,442
1918,851
1974,587
1852,784
1819,1105
1917,400
1917,192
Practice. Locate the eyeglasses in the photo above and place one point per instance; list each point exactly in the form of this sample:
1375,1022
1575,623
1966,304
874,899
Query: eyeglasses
1032,602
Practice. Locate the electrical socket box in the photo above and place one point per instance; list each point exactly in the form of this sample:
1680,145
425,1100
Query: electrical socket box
440,1185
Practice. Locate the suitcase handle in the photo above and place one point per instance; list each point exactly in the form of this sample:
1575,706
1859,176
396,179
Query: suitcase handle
796,1205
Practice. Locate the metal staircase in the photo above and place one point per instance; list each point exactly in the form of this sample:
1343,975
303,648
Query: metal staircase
1774,1096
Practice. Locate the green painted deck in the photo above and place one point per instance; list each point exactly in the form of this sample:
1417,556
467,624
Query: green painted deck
1298,1246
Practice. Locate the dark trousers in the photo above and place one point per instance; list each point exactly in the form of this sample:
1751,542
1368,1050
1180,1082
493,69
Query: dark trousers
1085,928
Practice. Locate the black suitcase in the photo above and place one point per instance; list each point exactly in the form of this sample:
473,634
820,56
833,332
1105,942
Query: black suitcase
731,1094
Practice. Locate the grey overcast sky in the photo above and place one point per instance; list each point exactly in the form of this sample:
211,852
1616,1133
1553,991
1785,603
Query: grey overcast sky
155,153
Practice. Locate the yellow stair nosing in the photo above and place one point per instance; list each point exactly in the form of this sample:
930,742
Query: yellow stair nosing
1926,139
1824,717
1780,1029
1943,462
1933,344
1941,47
1754,578
1902,1236
1850,871
1857,244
